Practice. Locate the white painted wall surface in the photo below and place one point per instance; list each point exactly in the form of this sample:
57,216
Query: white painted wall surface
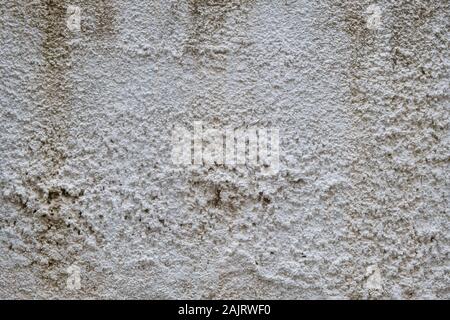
359,208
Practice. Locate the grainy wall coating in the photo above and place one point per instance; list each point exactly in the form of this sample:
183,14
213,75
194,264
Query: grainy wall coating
359,208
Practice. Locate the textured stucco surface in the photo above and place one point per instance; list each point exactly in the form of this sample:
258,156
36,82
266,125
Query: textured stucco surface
359,208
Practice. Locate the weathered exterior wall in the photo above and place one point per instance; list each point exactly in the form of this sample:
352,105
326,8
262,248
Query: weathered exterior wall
359,208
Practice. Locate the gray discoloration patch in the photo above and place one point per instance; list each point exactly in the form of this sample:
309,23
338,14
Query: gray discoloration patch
55,111
208,28
50,224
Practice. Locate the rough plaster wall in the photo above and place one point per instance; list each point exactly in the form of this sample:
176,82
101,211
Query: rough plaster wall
359,208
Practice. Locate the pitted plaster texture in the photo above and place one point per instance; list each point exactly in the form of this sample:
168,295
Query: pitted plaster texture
358,209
